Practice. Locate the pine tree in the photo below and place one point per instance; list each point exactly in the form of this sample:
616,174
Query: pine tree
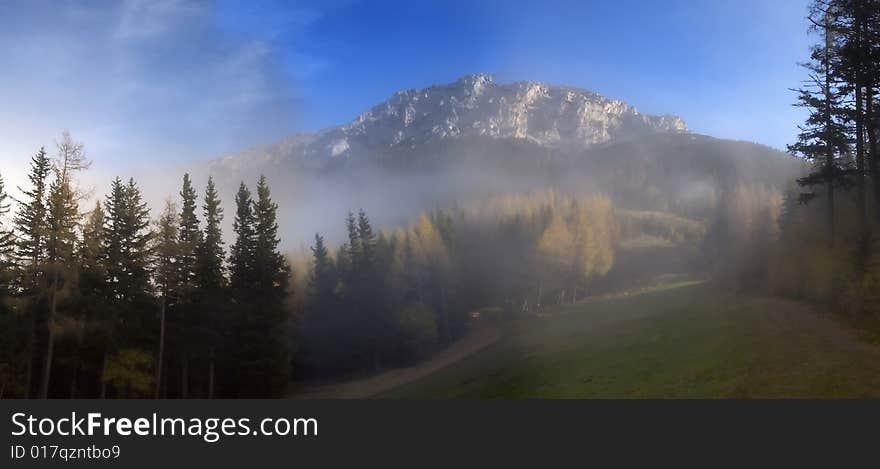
6,237
270,290
211,280
211,271
823,137
322,278
127,239
8,332
61,221
189,239
241,252
93,297
91,254
30,222
367,290
322,329
352,249
30,226
366,240
167,250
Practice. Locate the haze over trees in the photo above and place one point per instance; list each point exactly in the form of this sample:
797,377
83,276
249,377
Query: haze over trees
105,296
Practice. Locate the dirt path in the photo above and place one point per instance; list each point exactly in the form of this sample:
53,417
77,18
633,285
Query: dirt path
370,386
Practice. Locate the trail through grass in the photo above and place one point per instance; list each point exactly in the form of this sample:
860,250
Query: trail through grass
677,340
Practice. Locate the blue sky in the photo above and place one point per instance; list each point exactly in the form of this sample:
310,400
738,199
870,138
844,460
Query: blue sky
162,81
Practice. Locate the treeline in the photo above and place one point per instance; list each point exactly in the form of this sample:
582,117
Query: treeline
826,249
829,246
109,303
663,225
391,298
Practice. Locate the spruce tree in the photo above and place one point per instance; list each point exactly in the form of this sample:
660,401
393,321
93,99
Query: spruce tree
242,251
352,249
367,292
9,333
167,252
211,280
241,283
189,239
823,137
30,222
271,274
322,278
6,236
61,221
211,271
127,240
30,251
93,296
321,328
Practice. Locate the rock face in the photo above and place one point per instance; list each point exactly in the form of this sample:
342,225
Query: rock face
474,106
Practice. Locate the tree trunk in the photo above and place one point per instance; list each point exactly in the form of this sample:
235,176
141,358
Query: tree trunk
860,161
50,345
872,146
104,375
211,373
29,373
76,364
184,376
73,380
538,302
829,158
160,359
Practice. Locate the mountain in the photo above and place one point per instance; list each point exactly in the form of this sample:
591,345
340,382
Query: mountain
476,138
475,106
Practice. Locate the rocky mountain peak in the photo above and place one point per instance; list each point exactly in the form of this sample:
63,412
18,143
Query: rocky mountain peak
477,106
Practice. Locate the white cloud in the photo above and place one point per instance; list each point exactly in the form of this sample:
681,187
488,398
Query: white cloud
145,82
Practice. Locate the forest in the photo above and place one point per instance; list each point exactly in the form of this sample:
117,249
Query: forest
112,302
107,297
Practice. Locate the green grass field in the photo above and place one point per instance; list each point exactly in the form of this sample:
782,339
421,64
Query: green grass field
683,340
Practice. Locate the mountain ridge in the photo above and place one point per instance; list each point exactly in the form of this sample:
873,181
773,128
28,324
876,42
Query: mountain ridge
472,106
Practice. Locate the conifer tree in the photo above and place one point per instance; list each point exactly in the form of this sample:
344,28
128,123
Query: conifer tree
241,253
93,296
127,239
127,236
211,280
30,221
6,236
8,332
30,226
209,255
322,278
352,249
61,221
823,137
189,239
270,360
167,276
